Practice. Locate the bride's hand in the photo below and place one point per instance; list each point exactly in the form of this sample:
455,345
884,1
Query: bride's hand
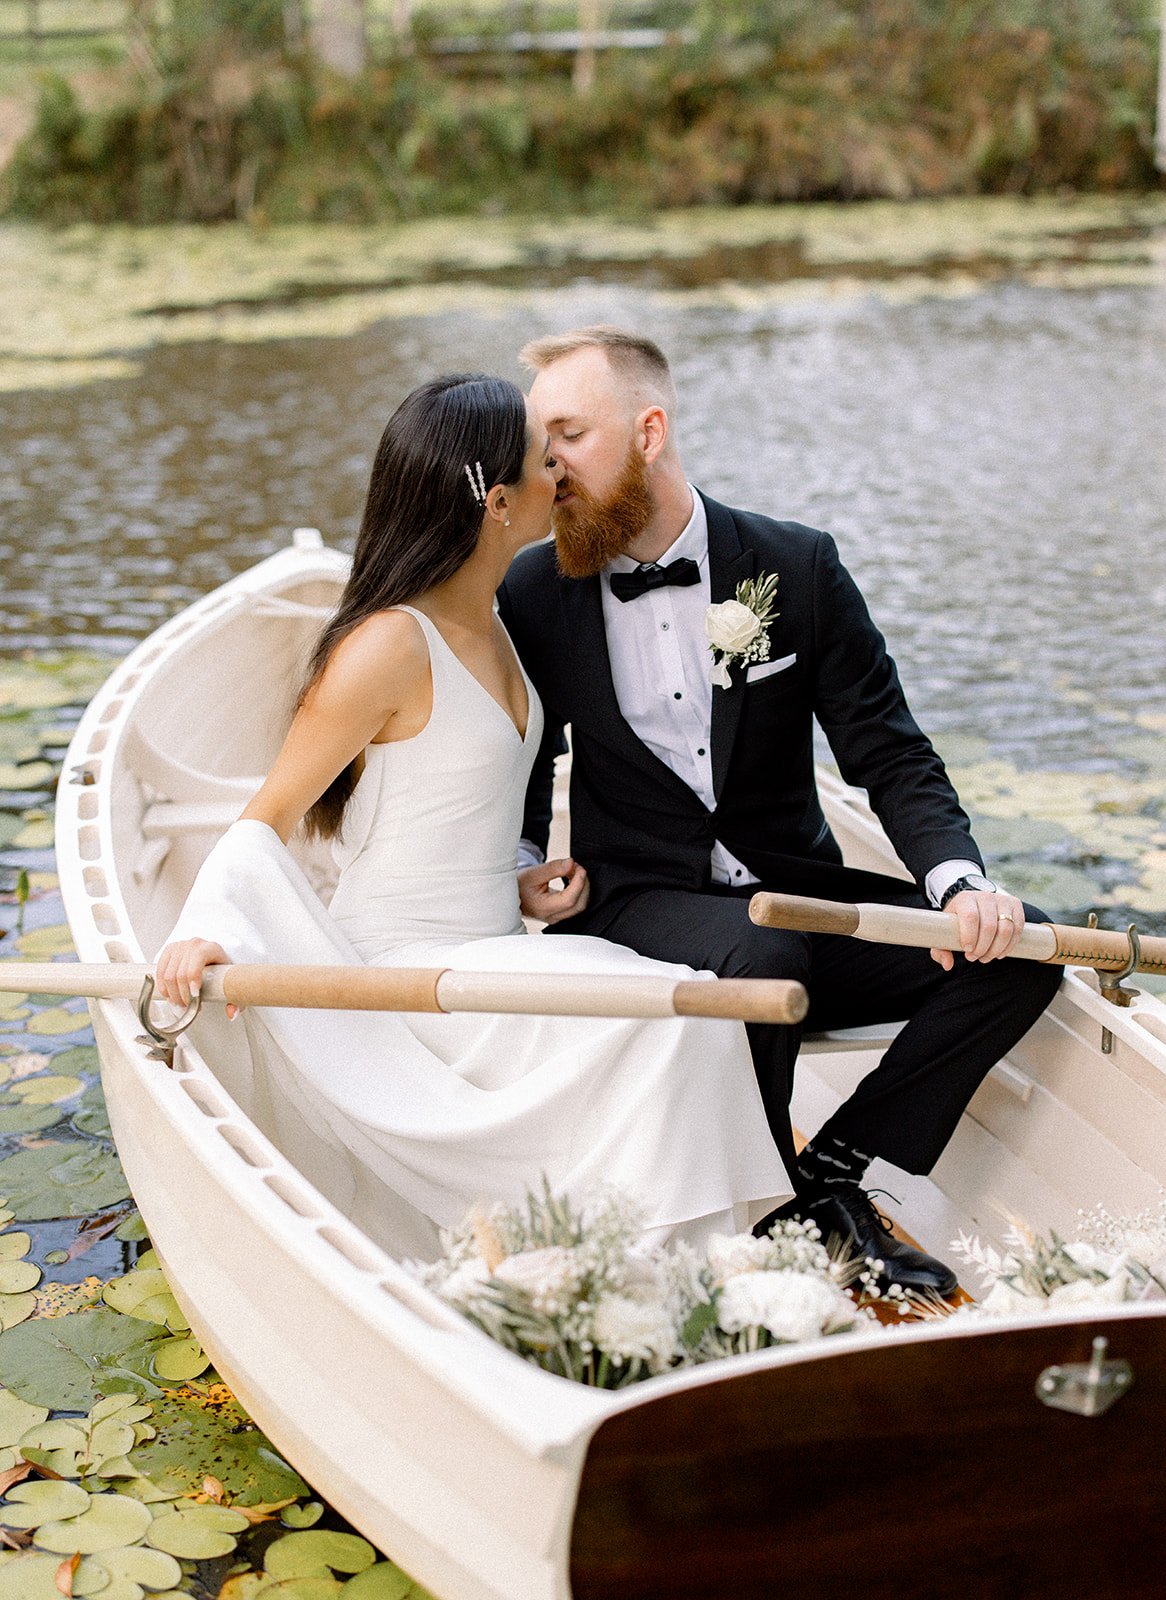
178,970
536,897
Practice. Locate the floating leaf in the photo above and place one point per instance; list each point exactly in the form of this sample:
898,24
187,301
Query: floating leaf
69,1362
179,1360
65,1178
56,1258
36,834
384,1582
30,1504
304,1555
31,1575
132,1229
17,1417
137,1564
91,1116
61,1299
28,775
305,1516
23,1118
144,1293
15,1309
196,1533
34,692
212,1433
17,1277
57,1020
49,1090
65,1574
12,1006
111,1520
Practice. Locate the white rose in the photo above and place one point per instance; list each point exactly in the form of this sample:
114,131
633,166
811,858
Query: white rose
730,1254
790,1305
634,1330
1089,1258
466,1282
731,626
1083,1293
551,1277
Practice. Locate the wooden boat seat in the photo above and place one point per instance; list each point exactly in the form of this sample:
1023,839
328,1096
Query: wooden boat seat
178,800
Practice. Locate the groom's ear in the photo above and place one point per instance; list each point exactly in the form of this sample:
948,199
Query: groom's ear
652,432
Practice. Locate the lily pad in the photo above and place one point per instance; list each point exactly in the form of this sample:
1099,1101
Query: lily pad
302,1516
32,1575
201,1434
36,833
179,1360
28,775
65,1178
18,1277
52,1089
92,1116
144,1293
109,1522
384,1582
316,1552
137,1564
33,1503
57,1020
132,1230
17,1416
23,1118
197,1532
70,1362
15,1309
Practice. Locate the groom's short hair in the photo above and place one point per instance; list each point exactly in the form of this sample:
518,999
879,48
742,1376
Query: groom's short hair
632,355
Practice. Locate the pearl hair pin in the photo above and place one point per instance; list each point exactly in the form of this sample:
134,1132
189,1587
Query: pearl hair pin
478,489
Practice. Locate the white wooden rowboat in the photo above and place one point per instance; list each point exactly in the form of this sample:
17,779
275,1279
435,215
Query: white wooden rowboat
490,1480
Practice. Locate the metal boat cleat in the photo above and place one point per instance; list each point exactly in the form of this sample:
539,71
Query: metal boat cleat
1087,1388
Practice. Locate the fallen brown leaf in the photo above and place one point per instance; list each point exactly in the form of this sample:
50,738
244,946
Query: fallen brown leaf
13,1475
66,1572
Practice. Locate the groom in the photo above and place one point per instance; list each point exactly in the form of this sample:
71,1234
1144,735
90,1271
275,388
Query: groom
689,795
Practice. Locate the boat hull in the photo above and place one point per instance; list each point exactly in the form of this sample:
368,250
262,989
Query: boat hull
485,1478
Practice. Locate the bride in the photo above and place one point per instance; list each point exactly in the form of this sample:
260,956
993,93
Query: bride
409,751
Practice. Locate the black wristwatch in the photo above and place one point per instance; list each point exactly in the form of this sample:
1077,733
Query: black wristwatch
970,880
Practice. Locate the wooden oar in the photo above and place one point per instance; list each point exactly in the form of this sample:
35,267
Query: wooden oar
434,989
938,930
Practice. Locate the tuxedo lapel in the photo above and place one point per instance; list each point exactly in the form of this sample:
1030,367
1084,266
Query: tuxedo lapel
729,564
590,668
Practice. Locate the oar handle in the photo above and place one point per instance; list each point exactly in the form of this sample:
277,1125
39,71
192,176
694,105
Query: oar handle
906,925
434,989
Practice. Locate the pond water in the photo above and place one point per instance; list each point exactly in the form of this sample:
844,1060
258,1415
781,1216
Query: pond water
971,398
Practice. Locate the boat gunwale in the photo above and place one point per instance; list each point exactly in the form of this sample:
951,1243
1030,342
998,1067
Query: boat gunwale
580,1409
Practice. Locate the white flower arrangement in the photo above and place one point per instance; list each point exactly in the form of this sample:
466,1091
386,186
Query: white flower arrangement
1119,1260
738,629
581,1296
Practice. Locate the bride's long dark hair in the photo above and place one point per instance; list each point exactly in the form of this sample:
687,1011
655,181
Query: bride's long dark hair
421,520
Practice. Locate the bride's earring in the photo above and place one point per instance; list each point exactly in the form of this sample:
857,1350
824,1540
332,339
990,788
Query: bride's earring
506,524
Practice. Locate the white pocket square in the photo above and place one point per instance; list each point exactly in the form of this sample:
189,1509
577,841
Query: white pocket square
766,669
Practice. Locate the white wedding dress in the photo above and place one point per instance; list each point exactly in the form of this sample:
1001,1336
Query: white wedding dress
408,1120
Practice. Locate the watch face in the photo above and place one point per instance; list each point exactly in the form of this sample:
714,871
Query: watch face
976,880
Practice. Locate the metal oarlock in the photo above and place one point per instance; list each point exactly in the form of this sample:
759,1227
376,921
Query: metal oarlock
161,1039
1112,983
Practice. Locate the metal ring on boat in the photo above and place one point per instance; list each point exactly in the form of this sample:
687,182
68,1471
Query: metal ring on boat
162,1039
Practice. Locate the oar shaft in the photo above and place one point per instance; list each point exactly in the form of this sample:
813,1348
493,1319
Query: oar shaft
435,990
1039,941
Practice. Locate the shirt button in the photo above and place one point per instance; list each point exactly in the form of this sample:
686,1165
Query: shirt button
677,695
664,626
737,874
700,752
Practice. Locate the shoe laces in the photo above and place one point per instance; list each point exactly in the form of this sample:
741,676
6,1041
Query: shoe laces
860,1200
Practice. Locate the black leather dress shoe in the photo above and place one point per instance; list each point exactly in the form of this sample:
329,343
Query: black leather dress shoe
848,1216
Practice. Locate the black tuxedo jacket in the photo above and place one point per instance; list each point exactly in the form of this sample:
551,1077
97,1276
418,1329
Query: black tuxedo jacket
635,824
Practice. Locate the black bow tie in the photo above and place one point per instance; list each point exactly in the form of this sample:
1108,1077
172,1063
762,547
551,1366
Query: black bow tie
630,585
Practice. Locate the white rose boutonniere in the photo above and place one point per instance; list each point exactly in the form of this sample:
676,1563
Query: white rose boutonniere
737,629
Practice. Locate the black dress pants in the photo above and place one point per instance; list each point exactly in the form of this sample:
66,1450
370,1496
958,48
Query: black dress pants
958,1023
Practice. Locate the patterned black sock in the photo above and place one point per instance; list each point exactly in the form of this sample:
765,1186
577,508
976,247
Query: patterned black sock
825,1164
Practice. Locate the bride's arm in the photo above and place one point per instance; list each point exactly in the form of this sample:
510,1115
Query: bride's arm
376,680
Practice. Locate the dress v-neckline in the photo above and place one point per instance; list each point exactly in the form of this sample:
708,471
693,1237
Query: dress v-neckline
520,734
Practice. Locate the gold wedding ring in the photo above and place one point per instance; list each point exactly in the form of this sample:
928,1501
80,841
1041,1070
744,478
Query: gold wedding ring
1005,916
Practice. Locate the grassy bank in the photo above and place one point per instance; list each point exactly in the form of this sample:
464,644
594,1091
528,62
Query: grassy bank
837,99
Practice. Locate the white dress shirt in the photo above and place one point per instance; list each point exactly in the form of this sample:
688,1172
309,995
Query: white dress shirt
660,668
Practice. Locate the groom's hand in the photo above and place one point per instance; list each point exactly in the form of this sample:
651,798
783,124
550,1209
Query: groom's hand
536,897
990,925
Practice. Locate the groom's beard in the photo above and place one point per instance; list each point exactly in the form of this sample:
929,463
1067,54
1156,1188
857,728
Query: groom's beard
589,532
